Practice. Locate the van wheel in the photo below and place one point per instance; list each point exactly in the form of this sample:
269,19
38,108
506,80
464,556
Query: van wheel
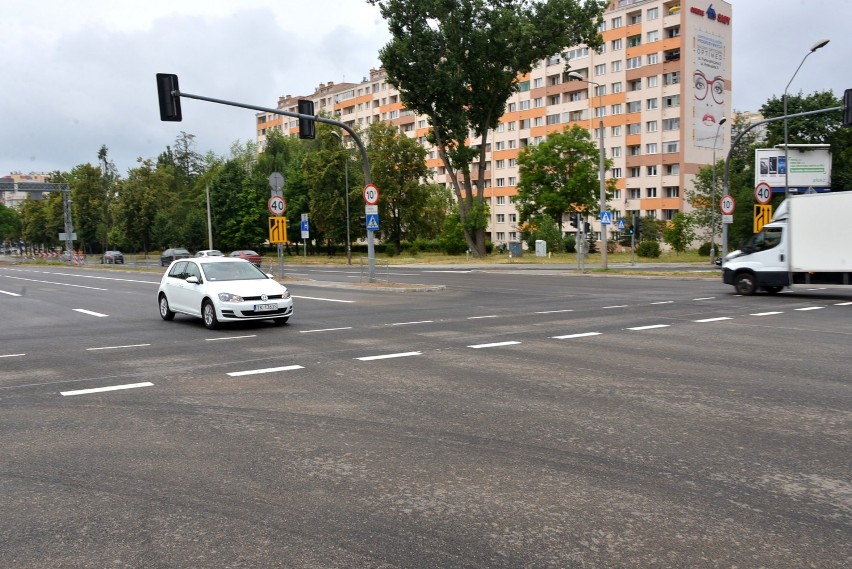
745,283
774,289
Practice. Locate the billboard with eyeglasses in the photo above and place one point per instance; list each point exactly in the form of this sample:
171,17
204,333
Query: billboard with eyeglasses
708,87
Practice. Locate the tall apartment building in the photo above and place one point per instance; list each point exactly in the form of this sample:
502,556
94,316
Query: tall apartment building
660,84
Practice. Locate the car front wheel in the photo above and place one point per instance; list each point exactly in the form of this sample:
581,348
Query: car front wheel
165,311
745,283
208,312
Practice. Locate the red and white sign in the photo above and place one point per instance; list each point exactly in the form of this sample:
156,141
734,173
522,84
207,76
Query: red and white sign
276,205
727,205
763,193
371,194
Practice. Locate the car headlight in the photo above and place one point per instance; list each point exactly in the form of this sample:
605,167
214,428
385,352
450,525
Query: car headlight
228,297
286,293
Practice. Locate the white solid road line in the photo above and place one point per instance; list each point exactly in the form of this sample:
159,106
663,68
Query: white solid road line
810,308
494,345
325,330
117,347
705,298
9,293
581,335
229,338
102,389
664,302
616,306
765,313
12,355
480,317
408,323
650,327
53,283
266,370
325,299
843,304
554,311
90,313
714,319
388,356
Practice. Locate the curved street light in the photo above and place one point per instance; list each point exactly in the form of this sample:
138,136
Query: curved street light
816,46
713,202
602,165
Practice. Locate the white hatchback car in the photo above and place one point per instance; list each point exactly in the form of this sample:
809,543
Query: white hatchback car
222,289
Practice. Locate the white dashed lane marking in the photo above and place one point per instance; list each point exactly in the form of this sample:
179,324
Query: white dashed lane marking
90,313
494,345
388,356
103,389
640,328
265,370
719,319
581,335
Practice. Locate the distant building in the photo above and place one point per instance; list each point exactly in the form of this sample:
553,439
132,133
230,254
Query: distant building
660,84
12,198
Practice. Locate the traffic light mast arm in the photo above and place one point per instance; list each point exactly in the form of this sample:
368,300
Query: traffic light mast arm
366,161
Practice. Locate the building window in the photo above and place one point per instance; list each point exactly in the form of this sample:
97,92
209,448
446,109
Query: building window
511,107
511,126
616,22
634,193
600,69
554,119
633,41
651,104
650,192
513,143
652,81
652,36
672,169
634,128
538,83
600,111
600,90
671,101
500,164
672,32
617,44
634,150
553,100
501,182
525,124
634,172
616,66
634,85
671,124
634,106
634,62
501,200
538,121
616,109
653,58
616,130
538,102
650,170
634,18
615,151
672,78
616,87
616,172
513,218
501,218
671,147
672,192
501,236
669,214
653,13
651,148
513,181
651,126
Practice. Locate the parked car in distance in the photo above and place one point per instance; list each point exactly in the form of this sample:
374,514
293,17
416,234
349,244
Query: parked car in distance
173,254
247,254
112,258
209,253
222,289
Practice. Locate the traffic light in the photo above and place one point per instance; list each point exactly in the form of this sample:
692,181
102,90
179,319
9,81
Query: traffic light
167,85
575,217
306,126
638,228
847,111
362,220
587,227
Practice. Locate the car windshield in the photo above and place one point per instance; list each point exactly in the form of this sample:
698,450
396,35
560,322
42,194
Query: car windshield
239,271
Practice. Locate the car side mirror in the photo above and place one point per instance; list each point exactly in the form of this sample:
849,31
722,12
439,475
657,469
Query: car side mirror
270,276
192,280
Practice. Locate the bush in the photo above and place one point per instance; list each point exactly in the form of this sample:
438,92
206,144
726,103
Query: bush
648,249
704,250
570,244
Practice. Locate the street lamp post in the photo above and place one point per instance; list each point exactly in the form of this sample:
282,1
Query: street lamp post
714,204
602,164
816,46
348,241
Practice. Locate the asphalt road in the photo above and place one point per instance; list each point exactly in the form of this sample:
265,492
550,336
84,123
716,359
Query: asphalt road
506,418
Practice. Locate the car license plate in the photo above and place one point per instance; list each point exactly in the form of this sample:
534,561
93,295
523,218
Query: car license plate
264,307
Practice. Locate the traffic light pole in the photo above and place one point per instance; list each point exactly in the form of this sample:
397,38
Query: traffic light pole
176,94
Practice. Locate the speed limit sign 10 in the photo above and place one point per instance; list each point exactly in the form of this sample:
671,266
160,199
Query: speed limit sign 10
727,204
763,193
371,194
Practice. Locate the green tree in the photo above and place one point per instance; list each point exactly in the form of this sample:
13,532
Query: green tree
140,197
88,199
679,232
398,163
559,175
10,223
458,61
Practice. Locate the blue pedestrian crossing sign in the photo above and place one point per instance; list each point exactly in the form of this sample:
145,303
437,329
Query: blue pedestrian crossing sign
372,222
621,225
606,218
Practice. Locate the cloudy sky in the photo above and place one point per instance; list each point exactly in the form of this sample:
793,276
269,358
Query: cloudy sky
79,75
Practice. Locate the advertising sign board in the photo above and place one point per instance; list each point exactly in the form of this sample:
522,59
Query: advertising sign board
809,167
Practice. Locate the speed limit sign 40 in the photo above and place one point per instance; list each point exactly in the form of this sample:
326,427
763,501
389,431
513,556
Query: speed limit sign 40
727,205
276,205
763,193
